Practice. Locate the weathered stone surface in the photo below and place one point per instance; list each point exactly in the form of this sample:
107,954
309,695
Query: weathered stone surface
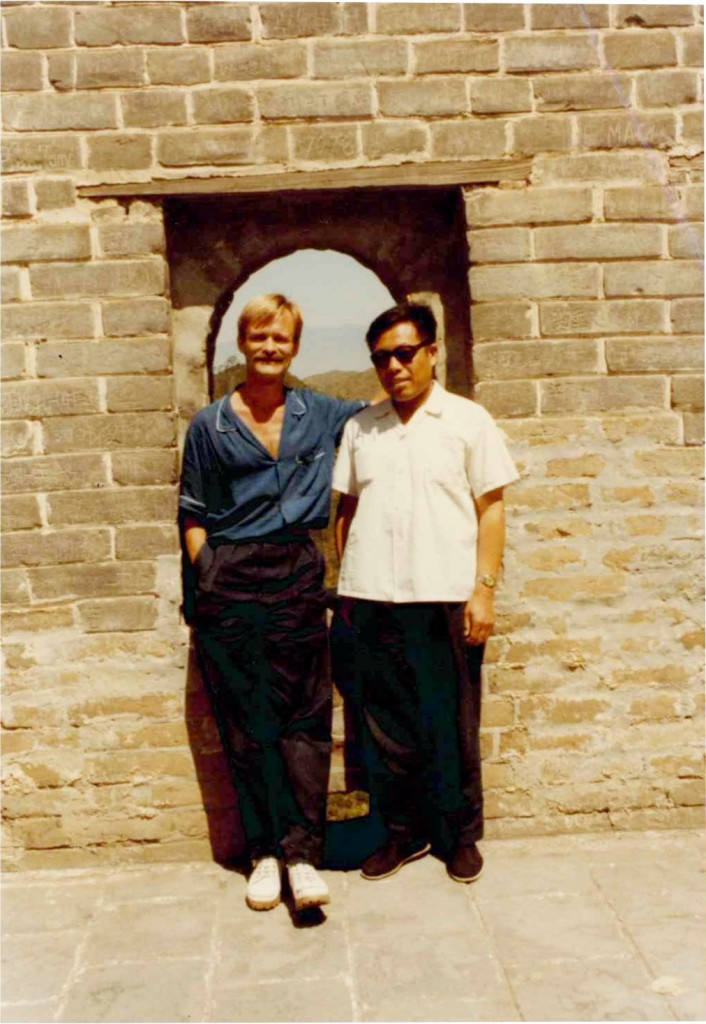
569,15
403,19
667,88
290,20
54,193
221,105
55,473
653,15
58,547
37,28
70,359
153,108
493,17
598,241
37,399
435,56
500,96
580,92
382,139
108,432
539,135
314,99
467,139
616,316
21,72
217,23
249,61
646,355
128,277
328,142
136,239
134,394
39,321
118,613
416,98
533,206
41,152
16,199
181,67
131,23
550,52
46,242
528,359
343,59
603,394
135,317
123,151
49,113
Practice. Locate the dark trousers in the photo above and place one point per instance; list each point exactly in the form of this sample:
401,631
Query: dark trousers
262,642
420,692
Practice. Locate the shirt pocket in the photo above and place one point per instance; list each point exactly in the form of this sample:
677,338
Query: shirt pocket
444,462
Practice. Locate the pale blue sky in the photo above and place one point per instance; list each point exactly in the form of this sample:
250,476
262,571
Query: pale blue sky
338,297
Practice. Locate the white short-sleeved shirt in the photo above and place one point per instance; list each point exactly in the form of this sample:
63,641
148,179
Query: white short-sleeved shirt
414,534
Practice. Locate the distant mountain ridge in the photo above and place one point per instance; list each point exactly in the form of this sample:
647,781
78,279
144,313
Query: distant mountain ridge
336,383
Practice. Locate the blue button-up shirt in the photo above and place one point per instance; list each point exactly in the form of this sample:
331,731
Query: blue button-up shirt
238,490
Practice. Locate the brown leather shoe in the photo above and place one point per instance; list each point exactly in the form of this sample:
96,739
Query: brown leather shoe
465,864
391,857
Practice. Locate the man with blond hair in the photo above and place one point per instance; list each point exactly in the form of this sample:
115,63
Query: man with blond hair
256,478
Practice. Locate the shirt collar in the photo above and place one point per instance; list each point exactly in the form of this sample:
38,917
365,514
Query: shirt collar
434,404
227,421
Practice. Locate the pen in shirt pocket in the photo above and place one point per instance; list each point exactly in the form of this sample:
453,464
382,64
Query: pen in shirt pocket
306,460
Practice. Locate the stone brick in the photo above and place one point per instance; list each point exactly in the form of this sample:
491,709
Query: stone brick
12,360
653,15
429,98
15,587
355,18
217,22
670,462
61,70
493,17
314,99
692,131
576,589
596,167
222,105
15,199
509,398
625,131
529,359
492,321
126,277
640,49
10,284
54,193
41,153
55,473
548,497
667,88
500,245
569,15
61,111
550,52
129,23
632,316
219,146
119,613
602,394
183,66
54,583
35,28
693,199
688,392
154,108
687,316
103,357
108,432
133,394
540,134
647,202
693,428
59,547
394,138
663,277
21,72
144,467
408,19
140,238
292,20
500,95
46,242
692,45
38,620
475,139
325,143
135,542
437,56
580,92
135,316
591,465
598,241
126,151
109,68
534,281
528,206
39,399
248,61
20,511
650,355
344,59
18,438
110,506
661,427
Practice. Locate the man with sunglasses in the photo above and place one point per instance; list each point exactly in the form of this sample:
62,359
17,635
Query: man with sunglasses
421,528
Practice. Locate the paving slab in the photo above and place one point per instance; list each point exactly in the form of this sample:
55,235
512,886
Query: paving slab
577,927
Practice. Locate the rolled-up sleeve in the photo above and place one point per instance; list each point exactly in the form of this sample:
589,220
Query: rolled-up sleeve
344,476
192,491
489,464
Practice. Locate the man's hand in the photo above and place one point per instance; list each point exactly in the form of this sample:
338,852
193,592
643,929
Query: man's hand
479,615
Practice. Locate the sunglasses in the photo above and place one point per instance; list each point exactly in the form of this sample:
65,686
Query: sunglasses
404,354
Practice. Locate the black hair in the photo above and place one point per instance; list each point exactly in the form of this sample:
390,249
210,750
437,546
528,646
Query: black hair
405,313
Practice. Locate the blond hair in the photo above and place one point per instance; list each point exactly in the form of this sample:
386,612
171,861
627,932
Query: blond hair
264,309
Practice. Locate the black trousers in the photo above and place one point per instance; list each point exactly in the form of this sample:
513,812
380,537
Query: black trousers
263,649
420,687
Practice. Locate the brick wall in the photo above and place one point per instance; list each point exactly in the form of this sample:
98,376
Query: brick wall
586,316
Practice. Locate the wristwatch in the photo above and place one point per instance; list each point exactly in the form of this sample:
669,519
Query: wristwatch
487,580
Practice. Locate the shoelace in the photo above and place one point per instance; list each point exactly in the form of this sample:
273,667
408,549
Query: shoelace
266,868
305,875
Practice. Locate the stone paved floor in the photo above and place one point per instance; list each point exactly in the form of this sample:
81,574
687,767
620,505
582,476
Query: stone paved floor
585,927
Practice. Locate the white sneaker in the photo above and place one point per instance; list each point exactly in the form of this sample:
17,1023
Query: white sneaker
308,888
264,884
